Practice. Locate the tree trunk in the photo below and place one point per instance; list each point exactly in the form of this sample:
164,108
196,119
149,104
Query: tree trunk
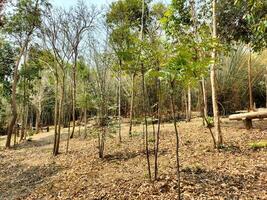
85,122
119,103
68,139
132,106
38,117
216,117
266,87
24,118
204,94
189,104
146,126
80,121
177,141
158,131
74,91
13,96
56,117
186,106
249,80
60,115
24,122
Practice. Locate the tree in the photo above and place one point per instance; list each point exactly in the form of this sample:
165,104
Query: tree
55,37
21,25
216,116
123,19
79,21
7,63
244,21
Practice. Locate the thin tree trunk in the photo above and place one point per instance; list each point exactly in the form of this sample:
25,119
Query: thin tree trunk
266,86
146,127
177,142
24,122
24,119
60,115
74,92
158,131
132,106
216,117
80,121
189,104
144,96
68,139
85,122
249,80
119,106
186,106
56,116
15,135
38,117
205,107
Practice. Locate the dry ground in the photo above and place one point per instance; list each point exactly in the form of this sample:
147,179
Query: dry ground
235,172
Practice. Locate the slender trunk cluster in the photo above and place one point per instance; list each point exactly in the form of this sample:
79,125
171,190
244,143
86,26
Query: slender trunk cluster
14,91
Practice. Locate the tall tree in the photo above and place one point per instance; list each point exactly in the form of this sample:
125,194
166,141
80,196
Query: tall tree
80,20
21,25
216,116
55,37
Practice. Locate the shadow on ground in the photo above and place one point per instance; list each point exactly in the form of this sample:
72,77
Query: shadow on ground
22,179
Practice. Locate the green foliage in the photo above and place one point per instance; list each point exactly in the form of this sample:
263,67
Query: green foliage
7,63
243,21
258,145
25,17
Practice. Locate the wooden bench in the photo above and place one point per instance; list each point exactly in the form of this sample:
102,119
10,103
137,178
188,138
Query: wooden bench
248,116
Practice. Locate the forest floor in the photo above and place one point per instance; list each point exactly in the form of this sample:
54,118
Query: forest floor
236,171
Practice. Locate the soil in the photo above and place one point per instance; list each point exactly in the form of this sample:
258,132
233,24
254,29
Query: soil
237,171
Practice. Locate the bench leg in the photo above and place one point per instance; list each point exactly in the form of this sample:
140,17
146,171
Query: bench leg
248,123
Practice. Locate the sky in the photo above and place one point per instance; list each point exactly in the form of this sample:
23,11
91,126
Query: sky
68,3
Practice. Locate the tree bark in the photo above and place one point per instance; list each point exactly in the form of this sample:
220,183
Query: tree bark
68,138
177,141
38,117
56,116
119,103
216,117
186,106
266,87
74,91
204,94
85,122
158,131
189,104
24,114
132,106
249,80
14,90
60,115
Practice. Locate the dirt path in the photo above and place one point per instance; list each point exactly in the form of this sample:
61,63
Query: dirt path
235,172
